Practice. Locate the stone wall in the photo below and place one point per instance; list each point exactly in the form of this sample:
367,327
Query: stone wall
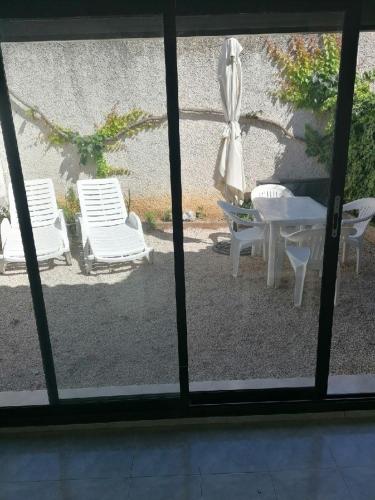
77,83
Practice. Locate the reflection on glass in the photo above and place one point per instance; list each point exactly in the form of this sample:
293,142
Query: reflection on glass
92,133
352,368
264,104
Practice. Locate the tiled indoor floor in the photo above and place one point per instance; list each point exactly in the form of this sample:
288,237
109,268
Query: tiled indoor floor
292,460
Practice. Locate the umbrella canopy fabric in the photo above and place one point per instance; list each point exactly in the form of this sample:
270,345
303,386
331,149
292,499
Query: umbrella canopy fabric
229,173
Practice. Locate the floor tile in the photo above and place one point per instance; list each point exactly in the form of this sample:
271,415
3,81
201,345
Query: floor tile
164,461
305,452
35,490
360,481
30,466
353,450
230,456
95,489
323,484
248,486
165,488
96,464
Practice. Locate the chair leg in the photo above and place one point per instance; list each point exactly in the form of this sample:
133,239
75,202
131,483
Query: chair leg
88,266
68,258
150,257
358,252
338,282
299,284
235,251
343,257
3,266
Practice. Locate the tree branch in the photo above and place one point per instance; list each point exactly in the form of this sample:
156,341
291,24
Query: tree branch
199,114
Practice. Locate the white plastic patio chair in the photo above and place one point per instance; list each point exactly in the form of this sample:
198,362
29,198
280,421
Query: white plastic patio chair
309,253
365,208
48,223
252,236
271,191
109,233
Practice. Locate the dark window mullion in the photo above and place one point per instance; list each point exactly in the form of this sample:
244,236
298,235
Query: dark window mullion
16,175
348,66
176,189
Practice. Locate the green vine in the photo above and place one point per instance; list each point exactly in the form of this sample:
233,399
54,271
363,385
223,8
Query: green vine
308,79
107,137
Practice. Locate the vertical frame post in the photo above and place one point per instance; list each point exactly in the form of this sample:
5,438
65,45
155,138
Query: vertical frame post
348,66
170,49
16,175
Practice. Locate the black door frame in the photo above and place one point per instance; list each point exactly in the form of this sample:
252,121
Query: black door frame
184,404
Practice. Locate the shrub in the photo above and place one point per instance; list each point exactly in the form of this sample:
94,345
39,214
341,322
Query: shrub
309,71
150,218
167,215
200,213
4,213
70,206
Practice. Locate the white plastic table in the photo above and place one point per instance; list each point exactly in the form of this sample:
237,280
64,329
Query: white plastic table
278,212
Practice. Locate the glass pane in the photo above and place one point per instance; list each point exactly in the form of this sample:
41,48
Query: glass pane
95,111
21,372
255,330
352,366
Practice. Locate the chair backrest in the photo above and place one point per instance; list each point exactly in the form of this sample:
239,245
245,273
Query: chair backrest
41,200
102,202
314,238
366,210
232,214
271,191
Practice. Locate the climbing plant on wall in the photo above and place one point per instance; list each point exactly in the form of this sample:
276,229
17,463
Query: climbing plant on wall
107,137
308,79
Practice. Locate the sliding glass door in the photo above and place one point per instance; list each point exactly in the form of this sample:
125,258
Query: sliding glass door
257,125
171,184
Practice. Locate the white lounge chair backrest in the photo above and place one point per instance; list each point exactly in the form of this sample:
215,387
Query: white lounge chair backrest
366,210
271,191
102,203
41,200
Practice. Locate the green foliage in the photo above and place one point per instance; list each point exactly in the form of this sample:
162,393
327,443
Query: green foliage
200,213
4,213
70,206
107,137
246,204
167,215
150,218
309,72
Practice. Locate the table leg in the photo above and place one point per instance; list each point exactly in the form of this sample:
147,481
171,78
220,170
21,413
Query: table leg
271,254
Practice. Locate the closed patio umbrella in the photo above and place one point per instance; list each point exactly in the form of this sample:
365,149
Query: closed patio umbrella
229,174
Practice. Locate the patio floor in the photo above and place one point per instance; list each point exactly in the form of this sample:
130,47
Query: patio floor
117,327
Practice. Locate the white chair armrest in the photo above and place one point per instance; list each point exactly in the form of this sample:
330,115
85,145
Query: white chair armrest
244,222
135,222
4,230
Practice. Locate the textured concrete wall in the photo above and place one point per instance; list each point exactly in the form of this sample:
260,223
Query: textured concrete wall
76,84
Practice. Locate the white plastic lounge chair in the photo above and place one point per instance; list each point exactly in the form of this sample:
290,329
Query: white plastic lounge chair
48,223
109,233
365,208
309,253
243,238
271,191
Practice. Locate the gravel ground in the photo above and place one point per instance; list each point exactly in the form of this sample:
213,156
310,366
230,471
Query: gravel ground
117,326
